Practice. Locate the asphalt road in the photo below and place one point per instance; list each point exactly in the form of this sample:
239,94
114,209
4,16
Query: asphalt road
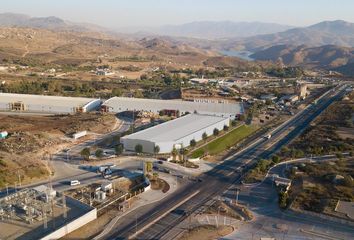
215,182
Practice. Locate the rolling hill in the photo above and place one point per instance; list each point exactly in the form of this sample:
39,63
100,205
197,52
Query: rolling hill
338,33
51,23
330,57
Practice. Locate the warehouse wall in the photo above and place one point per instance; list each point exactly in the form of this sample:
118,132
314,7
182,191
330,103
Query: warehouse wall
4,106
49,109
129,145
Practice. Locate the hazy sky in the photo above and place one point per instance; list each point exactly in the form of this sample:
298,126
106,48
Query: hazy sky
125,13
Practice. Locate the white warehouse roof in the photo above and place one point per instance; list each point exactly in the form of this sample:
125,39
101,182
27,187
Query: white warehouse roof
176,129
51,104
121,104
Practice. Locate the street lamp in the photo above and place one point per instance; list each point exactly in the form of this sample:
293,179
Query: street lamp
237,192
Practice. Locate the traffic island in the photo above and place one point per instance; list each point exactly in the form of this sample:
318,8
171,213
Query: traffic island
207,232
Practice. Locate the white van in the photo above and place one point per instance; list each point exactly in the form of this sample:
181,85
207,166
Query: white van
74,182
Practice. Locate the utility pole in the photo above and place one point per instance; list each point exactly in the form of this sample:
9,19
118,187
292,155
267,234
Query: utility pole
19,178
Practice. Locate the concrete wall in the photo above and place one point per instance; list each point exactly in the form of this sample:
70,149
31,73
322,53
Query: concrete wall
72,226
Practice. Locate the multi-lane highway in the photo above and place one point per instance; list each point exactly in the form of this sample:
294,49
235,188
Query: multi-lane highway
157,220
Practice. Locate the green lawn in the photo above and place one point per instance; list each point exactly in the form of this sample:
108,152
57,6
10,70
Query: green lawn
224,142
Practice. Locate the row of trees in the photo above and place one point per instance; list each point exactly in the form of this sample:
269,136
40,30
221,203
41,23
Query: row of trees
86,152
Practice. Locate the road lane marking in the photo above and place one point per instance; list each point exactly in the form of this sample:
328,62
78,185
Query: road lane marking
163,215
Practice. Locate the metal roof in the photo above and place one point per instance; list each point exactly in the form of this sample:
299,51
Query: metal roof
120,104
44,100
176,129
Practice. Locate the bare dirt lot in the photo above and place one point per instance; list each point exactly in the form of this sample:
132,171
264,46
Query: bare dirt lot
21,153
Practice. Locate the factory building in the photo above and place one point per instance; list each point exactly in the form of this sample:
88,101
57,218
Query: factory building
47,104
175,133
121,104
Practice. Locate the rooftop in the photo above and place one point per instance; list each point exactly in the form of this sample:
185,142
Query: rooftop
176,129
41,99
122,104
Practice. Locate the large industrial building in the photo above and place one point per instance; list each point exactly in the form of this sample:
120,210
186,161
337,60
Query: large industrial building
121,104
47,104
174,133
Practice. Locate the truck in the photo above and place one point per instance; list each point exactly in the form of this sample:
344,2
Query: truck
79,134
3,134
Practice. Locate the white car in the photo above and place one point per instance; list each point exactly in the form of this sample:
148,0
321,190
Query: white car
74,182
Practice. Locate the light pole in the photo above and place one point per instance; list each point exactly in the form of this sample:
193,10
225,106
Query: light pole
217,220
136,224
19,178
237,192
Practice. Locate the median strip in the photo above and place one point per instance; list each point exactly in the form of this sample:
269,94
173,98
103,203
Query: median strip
163,215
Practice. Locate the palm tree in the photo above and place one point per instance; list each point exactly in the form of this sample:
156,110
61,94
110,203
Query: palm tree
183,151
174,153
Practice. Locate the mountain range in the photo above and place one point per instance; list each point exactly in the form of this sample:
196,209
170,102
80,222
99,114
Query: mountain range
51,23
326,45
327,56
212,30
338,32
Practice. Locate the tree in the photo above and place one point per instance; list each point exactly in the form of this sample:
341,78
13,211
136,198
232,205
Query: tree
85,153
276,159
138,148
348,181
119,149
205,136
193,143
216,131
226,128
99,153
174,153
156,149
138,94
283,199
183,151
116,92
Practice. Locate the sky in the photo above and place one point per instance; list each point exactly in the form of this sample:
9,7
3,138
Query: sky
151,13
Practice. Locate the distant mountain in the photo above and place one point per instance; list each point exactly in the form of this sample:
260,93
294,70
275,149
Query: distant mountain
51,23
329,56
214,30
338,32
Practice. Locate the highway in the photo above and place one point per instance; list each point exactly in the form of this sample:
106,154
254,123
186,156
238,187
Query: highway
216,181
